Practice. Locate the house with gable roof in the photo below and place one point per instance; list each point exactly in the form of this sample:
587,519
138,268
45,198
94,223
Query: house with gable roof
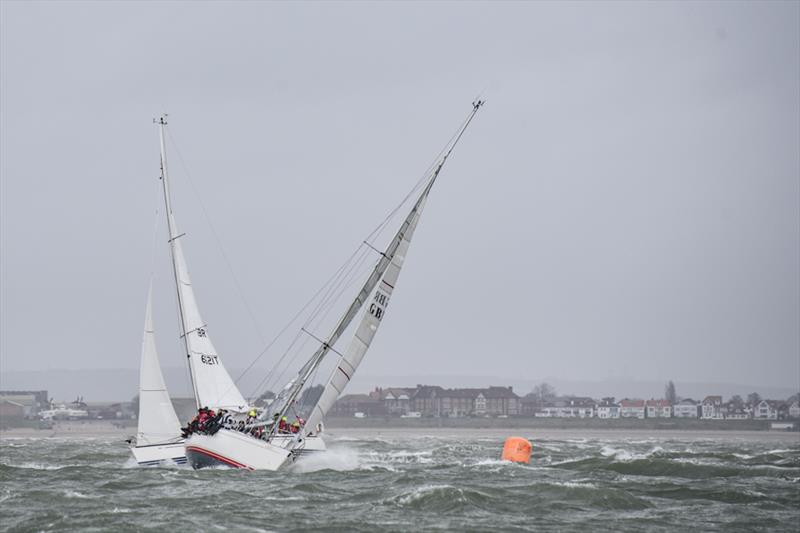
793,411
396,400
631,408
711,408
659,409
766,410
426,399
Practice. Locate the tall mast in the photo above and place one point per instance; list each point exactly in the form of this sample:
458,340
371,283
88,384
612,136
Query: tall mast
173,236
308,369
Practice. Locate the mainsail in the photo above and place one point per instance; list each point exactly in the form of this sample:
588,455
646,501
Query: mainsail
158,422
371,320
386,273
213,386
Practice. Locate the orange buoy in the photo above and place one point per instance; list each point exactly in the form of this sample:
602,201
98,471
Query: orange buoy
518,450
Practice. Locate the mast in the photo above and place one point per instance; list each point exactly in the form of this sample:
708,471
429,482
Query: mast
173,236
386,259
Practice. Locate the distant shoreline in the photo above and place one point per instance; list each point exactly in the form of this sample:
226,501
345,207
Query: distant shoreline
611,424
576,428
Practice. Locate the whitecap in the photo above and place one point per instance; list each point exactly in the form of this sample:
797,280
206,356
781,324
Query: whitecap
421,492
575,484
75,494
743,456
339,459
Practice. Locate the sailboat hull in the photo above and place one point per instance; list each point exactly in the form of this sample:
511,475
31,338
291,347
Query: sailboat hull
233,449
160,454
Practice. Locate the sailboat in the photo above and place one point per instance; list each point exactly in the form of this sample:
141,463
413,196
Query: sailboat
270,448
213,387
158,438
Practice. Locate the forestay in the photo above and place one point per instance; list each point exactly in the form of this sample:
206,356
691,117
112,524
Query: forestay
158,422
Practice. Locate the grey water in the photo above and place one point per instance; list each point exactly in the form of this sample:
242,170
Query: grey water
417,480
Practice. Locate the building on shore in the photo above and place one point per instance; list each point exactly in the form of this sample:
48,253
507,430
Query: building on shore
711,408
631,408
659,409
431,401
607,408
686,408
766,410
30,402
568,407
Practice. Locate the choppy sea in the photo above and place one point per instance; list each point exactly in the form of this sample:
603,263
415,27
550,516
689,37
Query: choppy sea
419,480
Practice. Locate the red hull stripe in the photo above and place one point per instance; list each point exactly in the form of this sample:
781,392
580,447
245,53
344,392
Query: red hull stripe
218,457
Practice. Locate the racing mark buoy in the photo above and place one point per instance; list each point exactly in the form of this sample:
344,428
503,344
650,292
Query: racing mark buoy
518,450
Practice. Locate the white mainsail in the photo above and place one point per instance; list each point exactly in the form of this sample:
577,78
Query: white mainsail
158,422
370,322
213,386
384,276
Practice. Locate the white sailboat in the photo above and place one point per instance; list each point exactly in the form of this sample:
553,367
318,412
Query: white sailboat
273,449
158,438
212,384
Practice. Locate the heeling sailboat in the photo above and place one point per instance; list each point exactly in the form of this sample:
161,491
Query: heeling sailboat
158,437
212,385
272,449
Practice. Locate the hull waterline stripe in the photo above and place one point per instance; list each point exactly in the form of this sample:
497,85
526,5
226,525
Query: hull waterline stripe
218,457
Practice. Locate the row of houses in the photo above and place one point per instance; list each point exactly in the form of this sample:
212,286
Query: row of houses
711,408
436,401
430,400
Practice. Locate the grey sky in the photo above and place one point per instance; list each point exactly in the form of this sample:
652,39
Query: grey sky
626,205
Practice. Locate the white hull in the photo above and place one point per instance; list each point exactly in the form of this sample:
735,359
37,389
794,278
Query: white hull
238,450
160,454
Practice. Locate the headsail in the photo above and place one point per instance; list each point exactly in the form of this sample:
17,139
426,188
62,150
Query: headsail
158,422
213,386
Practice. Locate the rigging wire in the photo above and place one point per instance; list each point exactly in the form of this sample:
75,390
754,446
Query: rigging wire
321,310
333,283
214,232
293,320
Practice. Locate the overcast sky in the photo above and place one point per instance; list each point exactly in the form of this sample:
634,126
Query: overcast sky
626,205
